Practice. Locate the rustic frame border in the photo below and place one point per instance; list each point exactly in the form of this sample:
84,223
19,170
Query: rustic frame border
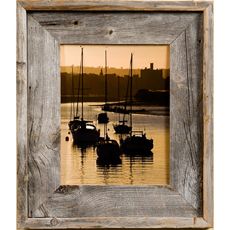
25,219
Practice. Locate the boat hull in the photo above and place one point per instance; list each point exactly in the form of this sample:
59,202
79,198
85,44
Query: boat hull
86,134
103,118
136,145
74,124
108,150
122,129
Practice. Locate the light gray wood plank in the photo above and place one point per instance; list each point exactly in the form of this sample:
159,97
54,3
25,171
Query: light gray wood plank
117,222
191,193
208,115
114,28
118,5
21,114
186,114
116,201
43,114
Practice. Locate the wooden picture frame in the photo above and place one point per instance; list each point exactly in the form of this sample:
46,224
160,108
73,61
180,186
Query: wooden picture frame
187,26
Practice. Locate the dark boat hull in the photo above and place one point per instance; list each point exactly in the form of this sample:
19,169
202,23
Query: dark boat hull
103,118
85,136
74,124
101,162
122,129
136,145
108,150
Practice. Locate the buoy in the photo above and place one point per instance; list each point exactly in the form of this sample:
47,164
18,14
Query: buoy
67,138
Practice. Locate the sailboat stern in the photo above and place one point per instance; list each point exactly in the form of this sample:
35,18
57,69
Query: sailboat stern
136,144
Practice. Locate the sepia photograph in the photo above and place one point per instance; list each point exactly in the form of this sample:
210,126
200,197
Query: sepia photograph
115,114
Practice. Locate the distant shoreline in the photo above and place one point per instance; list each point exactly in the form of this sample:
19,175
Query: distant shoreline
147,108
156,112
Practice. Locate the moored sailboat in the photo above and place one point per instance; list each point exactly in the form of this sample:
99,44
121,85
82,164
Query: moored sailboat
122,127
103,117
74,117
107,149
136,141
85,133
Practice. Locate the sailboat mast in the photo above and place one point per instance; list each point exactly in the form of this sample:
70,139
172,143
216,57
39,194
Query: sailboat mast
78,89
118,93
131,88
82,83
73,98
105,126
106,79
126,99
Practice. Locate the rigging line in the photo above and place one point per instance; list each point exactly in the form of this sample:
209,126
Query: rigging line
118,94
106,78
131,88
106,99
126,99
72,98
73,88
78,91
82,83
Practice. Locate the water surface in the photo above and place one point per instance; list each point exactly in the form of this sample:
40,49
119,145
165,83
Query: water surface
81,166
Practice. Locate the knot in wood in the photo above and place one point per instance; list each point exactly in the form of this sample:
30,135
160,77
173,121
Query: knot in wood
54,222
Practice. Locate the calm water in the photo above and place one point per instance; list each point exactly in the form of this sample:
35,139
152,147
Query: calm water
81,166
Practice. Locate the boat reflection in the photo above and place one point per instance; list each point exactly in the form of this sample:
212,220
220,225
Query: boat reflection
105,162
83,146
143,157
80,163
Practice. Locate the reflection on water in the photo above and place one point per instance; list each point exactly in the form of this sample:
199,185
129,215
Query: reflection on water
80,165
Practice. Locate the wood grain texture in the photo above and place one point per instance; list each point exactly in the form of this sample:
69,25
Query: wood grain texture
118,5
116,201
43,115
208,115
116,222
22,174
114,28
186,114
186,78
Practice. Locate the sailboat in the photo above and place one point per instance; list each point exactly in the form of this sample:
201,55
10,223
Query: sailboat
85,133
107,149
122,127
136,141
103,117
74,117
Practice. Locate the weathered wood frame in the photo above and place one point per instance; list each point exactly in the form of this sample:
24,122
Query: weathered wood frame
188,200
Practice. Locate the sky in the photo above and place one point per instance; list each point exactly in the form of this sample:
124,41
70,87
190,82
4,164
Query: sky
117,55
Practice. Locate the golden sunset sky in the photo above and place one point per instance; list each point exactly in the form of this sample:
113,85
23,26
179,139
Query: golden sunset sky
117,55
